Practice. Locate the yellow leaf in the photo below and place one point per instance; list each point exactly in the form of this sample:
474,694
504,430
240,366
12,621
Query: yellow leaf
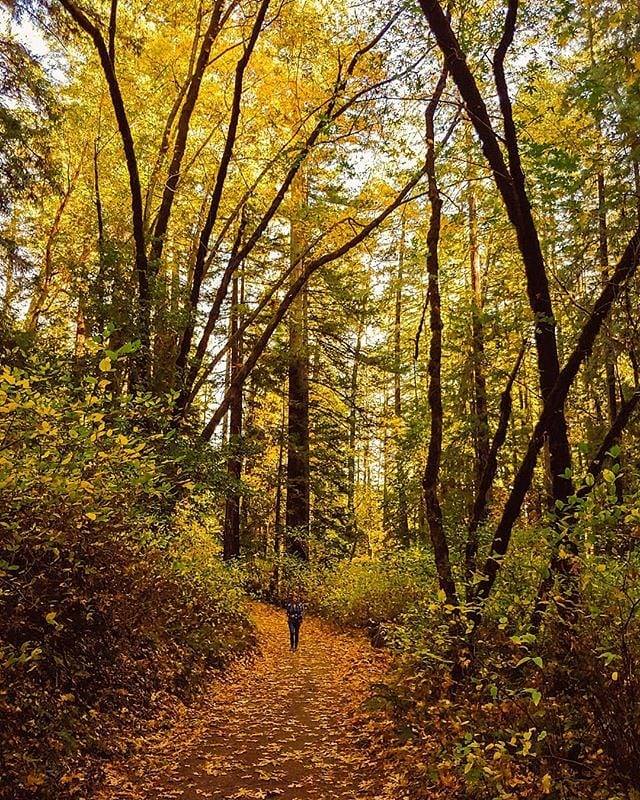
91,515
105,364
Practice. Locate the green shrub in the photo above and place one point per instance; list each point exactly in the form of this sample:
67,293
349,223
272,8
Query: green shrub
108,612
370,593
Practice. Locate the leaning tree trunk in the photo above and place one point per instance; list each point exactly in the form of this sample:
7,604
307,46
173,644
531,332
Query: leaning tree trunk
297,505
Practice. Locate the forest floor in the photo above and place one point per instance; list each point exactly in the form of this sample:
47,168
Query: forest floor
282,725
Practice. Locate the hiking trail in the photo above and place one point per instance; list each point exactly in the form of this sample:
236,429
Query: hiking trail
283,725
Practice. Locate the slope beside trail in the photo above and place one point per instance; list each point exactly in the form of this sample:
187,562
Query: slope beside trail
284,725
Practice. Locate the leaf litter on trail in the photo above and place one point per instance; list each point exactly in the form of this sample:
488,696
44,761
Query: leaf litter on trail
283,725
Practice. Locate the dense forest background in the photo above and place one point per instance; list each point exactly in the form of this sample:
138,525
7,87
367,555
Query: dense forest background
329,297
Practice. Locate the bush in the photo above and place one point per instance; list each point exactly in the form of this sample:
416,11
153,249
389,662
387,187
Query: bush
364,592
108,613
555,714
372,593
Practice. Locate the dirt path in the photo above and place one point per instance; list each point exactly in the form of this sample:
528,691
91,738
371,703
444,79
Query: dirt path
284,726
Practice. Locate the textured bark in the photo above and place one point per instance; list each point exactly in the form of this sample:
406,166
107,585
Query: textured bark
431,478
297,505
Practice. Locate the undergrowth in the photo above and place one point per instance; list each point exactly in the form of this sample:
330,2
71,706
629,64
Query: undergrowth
109,615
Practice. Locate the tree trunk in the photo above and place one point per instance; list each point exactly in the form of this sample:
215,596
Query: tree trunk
610,356
297,506
480,505
510,181
353,429
480,413
401,491
277,525
431,478
231,539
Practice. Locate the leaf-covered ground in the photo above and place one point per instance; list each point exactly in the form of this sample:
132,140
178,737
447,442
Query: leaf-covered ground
284,725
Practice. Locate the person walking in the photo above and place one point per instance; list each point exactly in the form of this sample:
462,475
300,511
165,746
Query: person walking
295,612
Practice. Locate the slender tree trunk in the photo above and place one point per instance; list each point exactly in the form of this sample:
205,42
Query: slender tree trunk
481,502
401,491
480,413
278,528
431,478
353,429
386,465
610,356
234,463
297,507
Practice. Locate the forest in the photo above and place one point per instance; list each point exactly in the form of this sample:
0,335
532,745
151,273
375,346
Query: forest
329,304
